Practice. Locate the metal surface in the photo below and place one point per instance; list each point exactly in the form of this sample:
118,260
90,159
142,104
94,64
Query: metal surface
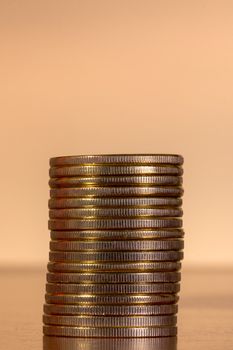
99,235
110,321
115,181
110,332
111,267
118,159
70,224
171,255
117,277
113,212
130,191
111,299
114,288
58,309
117,245
91,170
114,202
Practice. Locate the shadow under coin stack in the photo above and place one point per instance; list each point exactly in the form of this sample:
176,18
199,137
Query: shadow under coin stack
116,246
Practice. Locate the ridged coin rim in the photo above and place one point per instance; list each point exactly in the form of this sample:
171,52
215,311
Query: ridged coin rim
168,191
78,213
99,289
84,299
109,170
59,203
102,224
131,180
117,277
133,267
117,158
110,332
165,255
110,321
139,234
116,245
56,309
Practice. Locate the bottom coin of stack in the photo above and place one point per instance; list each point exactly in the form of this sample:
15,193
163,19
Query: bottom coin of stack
116,246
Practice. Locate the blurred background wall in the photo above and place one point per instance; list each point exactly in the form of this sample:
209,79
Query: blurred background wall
86,76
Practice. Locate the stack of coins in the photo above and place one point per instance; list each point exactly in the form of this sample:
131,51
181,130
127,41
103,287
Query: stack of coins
116,246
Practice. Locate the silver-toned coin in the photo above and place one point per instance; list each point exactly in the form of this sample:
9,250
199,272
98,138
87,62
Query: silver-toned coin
110,331
96,289
171,202
129,191
117,159
170,255
111,299
113,212
92,170
79,343
110,321
107,310
117,245
115,181
117,277
133,267
104,224
117,234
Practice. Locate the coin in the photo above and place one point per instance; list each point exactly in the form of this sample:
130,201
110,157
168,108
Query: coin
82,267
169,191
119,277
164,288
113,212
117,234
84,343
170,255
117,159
58,309
91,170
111,299
110,331
110,321
103,224
114,202
115,181
116,245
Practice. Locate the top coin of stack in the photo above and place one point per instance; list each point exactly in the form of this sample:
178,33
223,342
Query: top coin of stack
116,245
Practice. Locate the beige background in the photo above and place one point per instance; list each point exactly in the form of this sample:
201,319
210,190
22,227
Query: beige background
116,77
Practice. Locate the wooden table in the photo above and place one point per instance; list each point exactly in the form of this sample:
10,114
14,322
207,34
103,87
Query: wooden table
205,319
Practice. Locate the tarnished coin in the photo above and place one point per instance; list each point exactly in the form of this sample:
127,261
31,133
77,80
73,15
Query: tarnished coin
171,202
111,299
110,331
115,181
107,310
113,212
130,191
110,321
133,267
117,234
79,343
117,159
117,245
117,277
69,224
92,170
89,288
170,255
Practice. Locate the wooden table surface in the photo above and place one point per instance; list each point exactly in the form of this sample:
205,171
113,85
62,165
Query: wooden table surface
205,319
